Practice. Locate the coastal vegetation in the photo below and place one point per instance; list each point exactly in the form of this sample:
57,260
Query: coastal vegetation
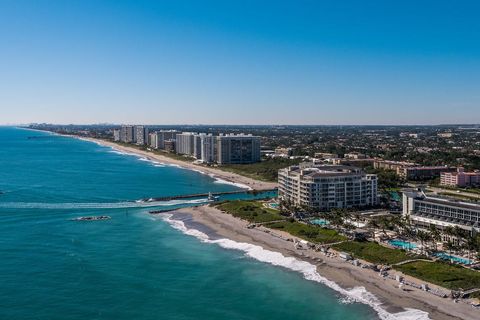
308,232
373,252
251,211
443,274
266,170
256,212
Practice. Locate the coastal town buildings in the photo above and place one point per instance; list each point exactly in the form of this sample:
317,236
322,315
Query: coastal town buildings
325,155
238,149
223,149
326,187
423,173
460,178
426,210
164,135
354,155
283,152
412,171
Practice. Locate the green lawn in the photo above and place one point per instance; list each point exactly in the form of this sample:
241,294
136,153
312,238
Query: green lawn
266,170
372,252
308,232
442,274
252,211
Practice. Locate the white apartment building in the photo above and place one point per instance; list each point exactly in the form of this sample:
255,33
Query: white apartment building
152,140
116,134
141,135
208,146
184,143
326,187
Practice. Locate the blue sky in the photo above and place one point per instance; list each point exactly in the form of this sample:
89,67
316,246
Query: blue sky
240,62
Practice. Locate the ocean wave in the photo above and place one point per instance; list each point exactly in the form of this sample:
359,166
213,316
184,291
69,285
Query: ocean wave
222,181
100,205
308,270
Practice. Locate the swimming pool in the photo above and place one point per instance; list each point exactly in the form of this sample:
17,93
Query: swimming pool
320,222
445,256
273,205
402,244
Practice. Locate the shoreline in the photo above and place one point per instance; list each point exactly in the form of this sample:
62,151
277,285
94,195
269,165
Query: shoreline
218,174
357,284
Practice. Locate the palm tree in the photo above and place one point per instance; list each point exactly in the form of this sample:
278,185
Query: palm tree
435,235
423,236
384,223
373,224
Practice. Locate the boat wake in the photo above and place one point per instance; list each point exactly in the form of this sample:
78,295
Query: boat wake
308,270
100,205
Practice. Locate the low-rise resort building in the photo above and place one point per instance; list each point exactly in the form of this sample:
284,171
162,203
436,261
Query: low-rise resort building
442,212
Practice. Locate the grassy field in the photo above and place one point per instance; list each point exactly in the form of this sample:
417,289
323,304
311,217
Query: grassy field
308,232
372,252
443,274
266,170
252,211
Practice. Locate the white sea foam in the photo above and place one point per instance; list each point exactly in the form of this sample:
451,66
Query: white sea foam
222,181
100,205
308,270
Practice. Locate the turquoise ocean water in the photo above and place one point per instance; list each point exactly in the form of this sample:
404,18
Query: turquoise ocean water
133,266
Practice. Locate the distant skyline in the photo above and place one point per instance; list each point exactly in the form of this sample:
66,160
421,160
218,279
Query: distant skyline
240,62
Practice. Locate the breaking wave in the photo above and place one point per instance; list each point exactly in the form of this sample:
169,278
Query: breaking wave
308,270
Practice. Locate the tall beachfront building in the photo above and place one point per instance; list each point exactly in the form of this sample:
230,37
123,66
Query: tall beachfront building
326,187
141,135
184,143
442,212
238,149
197,145
127,134
165,135
208,148
152,140
116,134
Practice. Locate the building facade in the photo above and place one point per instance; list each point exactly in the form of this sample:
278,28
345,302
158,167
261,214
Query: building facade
141,135
460,178
325,187
116,134
185,143
152,140
209,148
238,149
442,212
423,173
164,135
169,145
127,134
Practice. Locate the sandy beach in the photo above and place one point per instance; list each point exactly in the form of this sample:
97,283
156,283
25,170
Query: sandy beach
233,178
391,298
